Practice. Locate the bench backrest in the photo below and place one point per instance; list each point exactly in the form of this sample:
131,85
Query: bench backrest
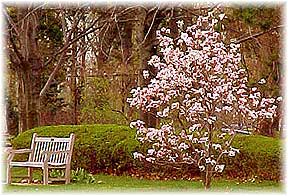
51,144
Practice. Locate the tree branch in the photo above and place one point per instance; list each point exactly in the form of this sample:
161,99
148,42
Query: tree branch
154,16
240,40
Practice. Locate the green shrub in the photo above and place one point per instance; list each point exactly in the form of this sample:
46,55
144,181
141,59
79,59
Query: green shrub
109,149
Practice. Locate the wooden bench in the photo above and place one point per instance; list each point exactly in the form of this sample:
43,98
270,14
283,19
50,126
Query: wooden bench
45,153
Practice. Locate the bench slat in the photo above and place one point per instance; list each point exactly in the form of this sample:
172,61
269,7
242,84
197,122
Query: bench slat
53,157
33,164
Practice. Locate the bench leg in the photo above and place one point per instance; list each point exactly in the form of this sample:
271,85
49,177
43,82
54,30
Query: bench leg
45,175
8,174
67,174
30,174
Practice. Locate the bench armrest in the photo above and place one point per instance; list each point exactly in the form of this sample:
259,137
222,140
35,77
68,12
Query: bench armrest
11,153
20,151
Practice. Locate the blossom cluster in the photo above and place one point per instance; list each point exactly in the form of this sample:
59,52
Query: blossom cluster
168,146
201,90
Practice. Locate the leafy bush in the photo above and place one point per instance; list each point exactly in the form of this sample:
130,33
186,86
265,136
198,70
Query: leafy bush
56,173
109,149
82,176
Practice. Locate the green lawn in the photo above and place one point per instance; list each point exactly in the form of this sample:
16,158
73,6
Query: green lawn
106,183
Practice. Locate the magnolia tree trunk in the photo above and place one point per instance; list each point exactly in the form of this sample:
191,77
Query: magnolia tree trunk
208,172
208,177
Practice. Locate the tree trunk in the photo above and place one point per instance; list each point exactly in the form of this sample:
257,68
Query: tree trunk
208,177
28,98
28,66
21,102
34,93
208,174
139,55
34,66
73,83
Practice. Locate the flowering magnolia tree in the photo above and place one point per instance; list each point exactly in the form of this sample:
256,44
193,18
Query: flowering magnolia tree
200,92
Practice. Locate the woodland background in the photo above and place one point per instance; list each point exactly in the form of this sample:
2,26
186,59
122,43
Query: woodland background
76,63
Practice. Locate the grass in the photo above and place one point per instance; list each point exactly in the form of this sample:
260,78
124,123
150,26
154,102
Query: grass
106,183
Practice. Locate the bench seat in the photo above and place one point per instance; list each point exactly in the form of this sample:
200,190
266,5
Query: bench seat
34,164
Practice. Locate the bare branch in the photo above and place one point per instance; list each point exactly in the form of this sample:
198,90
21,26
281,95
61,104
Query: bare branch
153,20
52,75
121,40
74,40
237,41
22,19
11,22
15,49
62,52
101,42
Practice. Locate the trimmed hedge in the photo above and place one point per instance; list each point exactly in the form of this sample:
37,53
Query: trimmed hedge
259,156
109,148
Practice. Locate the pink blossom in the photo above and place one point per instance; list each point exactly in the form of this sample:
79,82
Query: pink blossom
145,74
227,108
279,99
137,155
202,167
221,16
183,146
150,159
219,168
175,105
184,36
217,146
150,151
194,127
180,23
231,154
240,91
262,81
